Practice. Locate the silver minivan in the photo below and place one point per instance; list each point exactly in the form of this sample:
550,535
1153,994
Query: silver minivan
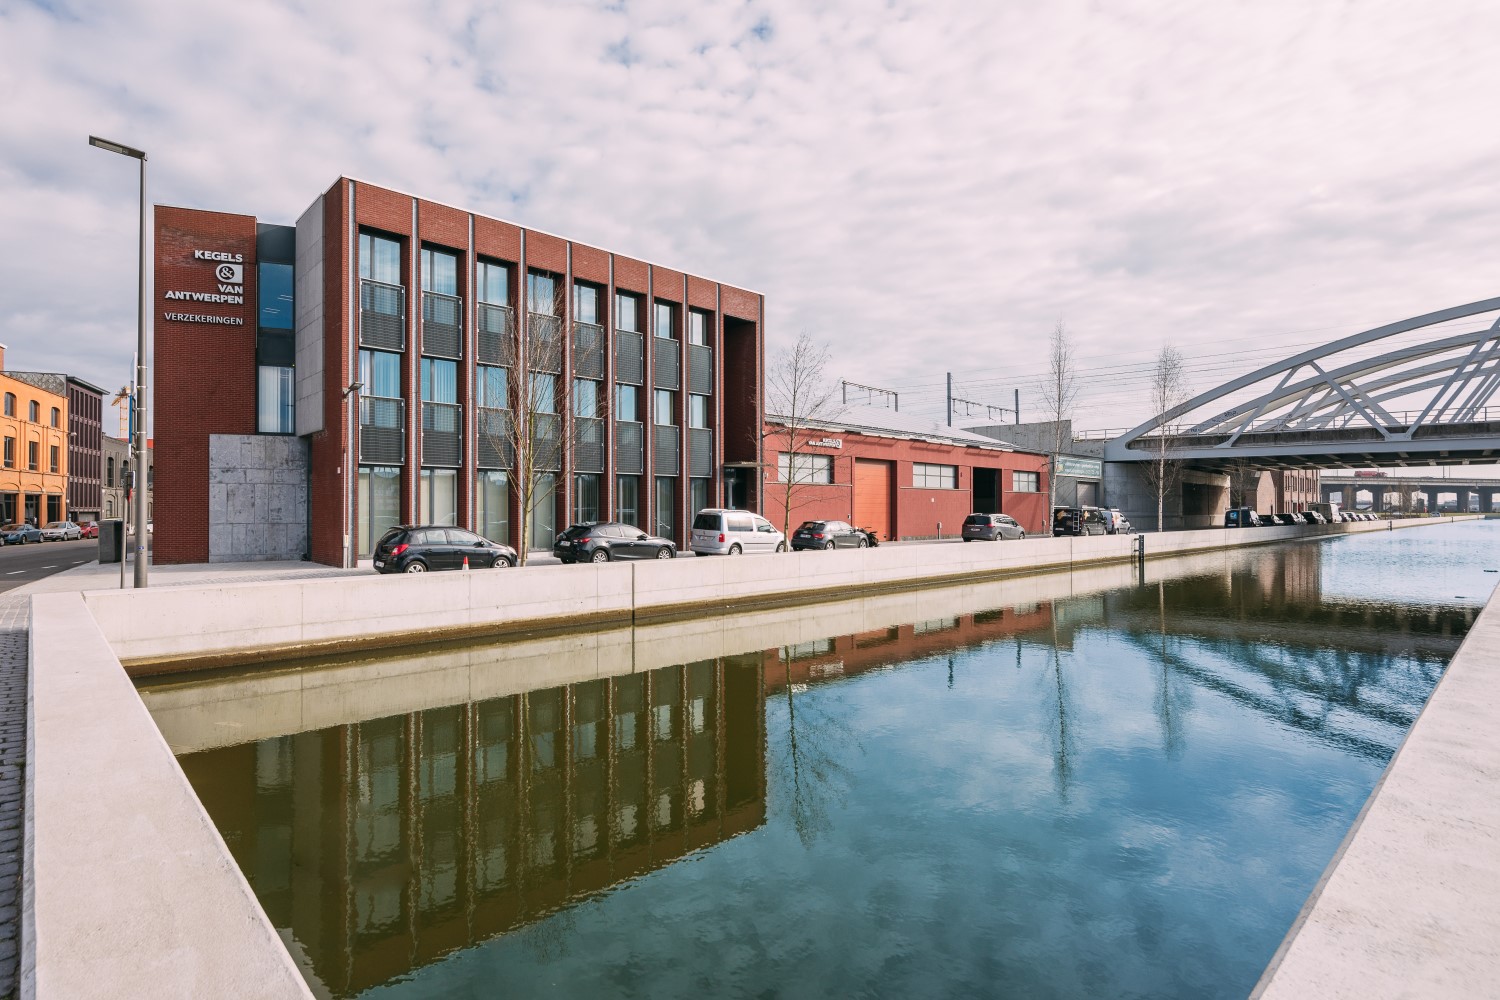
734,532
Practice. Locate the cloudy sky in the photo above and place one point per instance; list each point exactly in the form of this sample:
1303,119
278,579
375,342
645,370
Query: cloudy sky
926,186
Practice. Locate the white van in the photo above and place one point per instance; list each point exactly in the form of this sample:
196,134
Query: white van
734,532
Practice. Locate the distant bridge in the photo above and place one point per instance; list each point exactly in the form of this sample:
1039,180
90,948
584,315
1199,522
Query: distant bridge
1409,493
1411,393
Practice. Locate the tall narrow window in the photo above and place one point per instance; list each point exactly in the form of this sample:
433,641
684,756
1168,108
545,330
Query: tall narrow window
492,283
697,410
665,407
10,404
10,459
53,464
439,271
275,400
585,497
56,414
491,385
585,397
666,507
32,448
541,293
437,496
543,393
697,327
380,371
628,500
439,381
627,402
585,304
379,259
34,412
666,320
492,504
627,312
379,504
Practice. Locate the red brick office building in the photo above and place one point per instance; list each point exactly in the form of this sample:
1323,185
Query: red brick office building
901,476
318,383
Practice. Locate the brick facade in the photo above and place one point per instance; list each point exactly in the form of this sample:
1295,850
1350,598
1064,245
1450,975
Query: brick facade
206,373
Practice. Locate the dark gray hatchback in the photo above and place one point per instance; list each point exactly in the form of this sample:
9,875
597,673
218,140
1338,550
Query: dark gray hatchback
991,528
604,541
422,548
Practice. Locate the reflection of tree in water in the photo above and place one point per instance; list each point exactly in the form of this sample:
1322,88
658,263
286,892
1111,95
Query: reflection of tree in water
1173,696
1063,737
809,761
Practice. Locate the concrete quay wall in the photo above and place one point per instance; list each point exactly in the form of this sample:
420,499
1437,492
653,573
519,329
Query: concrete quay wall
171,629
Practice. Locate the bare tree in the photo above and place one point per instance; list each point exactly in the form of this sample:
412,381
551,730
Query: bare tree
1059,393
1163,472
547,417
800,394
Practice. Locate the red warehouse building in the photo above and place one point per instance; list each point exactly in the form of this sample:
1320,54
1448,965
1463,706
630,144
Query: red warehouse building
901,476
392,360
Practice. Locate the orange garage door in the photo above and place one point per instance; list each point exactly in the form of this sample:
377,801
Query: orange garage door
873,482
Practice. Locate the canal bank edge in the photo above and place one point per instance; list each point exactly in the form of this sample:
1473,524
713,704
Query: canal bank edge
182,629
1410,904
158,908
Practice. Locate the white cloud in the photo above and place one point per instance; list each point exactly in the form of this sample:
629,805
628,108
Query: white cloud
928,186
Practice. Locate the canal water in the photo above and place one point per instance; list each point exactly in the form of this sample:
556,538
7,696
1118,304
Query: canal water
1125,793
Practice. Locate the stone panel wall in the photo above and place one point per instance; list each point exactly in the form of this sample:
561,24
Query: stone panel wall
257,497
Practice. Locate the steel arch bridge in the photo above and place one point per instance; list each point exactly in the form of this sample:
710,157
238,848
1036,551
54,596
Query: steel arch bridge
1416,392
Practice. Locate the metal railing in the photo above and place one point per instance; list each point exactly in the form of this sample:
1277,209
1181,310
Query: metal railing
442,325
382,315
588,350
382,430
496,329
544,342
441,434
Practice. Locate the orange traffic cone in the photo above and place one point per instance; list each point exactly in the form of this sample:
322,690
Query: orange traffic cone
466,563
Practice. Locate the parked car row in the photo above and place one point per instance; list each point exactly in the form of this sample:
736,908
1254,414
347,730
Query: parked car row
1089,521
1245,517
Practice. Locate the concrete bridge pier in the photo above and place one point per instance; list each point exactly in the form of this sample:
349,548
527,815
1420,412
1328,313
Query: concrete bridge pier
1431,500
1348,501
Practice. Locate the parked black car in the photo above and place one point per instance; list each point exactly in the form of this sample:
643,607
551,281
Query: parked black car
423,547
1078,521
601,541
991,528
1313,517
1288,518
829,535
1241,517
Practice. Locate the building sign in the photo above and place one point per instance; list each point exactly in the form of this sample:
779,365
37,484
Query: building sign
229,289
1081,468
826,443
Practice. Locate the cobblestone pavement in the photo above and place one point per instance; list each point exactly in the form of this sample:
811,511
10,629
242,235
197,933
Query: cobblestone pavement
13,639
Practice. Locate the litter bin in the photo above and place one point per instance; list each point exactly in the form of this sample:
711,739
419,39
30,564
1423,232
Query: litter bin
111,541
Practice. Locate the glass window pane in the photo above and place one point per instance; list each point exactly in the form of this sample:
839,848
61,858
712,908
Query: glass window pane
543,393
585,397
380,371
627,402
275,400
543,512
379,505
541,294
627,313
664,407
585,497
492,495
697,411
494,283
275,293
439,381
586,304
490,387
697,327
438,499
666,507
666,315
628,500
439,271
379,259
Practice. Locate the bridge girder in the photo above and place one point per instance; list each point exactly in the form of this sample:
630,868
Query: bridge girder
1336,404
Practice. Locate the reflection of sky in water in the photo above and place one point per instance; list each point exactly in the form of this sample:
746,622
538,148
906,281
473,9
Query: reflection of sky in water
1436,565
1119,815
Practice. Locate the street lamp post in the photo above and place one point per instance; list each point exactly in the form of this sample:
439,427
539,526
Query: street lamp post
347,557
138,401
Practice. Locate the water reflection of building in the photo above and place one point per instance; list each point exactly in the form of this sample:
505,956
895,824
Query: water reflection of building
384,845
847,655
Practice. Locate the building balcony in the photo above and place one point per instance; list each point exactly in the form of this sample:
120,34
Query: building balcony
666,356
496,342
382,315
442,325
700,369
629,448
588,350
442,437
701,453
668,460
382,431
543,343
630,365
496,448
588,444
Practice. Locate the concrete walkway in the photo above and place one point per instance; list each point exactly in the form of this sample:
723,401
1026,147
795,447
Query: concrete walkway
14,641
